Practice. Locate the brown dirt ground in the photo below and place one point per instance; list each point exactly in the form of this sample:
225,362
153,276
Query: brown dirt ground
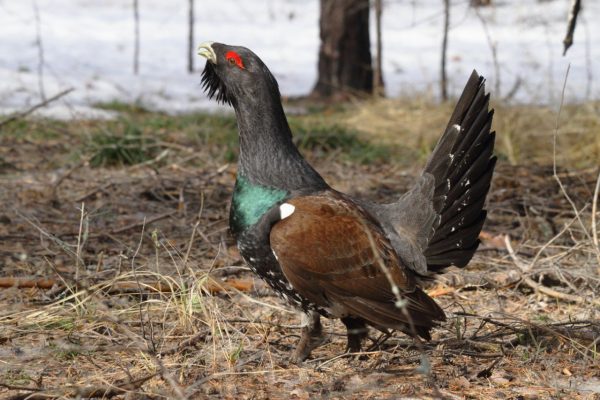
150,299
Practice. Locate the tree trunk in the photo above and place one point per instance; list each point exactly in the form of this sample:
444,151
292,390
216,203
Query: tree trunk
444,79
136,37
378,69
345,53
190,50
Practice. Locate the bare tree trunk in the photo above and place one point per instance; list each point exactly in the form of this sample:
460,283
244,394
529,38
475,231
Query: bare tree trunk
378,71
345,54
444,80
40,47
136,43
190,54
588,61
494,49
481,3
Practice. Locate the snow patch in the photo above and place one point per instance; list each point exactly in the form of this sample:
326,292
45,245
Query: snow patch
88,45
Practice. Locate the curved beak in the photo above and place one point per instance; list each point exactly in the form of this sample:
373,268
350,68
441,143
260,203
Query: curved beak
205,50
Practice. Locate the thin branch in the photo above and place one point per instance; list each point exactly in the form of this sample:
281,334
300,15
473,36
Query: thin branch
80,392
79,241
572,22
548,243
554,143
212,286
144,222
543,289
30,110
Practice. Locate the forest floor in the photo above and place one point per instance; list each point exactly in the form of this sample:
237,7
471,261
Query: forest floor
118,278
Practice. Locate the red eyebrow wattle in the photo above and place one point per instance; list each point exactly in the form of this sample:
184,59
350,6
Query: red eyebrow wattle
236,57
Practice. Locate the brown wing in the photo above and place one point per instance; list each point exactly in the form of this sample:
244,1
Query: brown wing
335,254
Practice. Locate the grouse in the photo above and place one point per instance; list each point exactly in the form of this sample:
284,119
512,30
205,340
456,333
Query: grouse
332,255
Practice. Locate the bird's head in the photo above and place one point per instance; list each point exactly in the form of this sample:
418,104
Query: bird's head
235,73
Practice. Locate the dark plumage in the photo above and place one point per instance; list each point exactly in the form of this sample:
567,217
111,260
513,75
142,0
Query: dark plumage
332,255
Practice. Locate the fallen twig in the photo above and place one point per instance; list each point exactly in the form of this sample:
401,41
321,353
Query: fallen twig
26,283
144,222
543,289
124,287
64,176
80,392
92,192
44,103
565,329
184,344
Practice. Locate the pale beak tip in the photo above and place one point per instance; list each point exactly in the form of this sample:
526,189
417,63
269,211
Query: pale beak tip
205,50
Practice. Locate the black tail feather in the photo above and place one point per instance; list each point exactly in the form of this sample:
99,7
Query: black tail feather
466,237
466,218
470,94
469,196
463,256
472,148
462,164
470,171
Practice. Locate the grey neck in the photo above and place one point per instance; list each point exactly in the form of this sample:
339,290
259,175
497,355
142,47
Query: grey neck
268,155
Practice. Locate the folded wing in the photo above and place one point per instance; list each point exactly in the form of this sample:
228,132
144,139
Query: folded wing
336,255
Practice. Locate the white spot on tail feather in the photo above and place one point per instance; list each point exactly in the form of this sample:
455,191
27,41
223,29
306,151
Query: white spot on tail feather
285,210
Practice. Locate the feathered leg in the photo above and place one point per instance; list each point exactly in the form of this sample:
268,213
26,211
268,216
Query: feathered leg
357,331
311,337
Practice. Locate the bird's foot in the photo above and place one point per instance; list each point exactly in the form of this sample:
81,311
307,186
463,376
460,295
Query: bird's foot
311,337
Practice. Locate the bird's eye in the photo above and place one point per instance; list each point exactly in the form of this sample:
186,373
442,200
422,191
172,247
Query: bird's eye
234,59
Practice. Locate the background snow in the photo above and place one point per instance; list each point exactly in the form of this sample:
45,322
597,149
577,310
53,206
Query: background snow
88,45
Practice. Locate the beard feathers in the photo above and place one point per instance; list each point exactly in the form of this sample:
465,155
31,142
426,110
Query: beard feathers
214,86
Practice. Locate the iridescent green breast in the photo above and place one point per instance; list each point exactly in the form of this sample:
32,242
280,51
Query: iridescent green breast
250,202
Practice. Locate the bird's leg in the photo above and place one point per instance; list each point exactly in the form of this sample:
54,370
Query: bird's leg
312,336
357,331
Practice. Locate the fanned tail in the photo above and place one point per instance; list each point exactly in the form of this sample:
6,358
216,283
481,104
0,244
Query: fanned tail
462,165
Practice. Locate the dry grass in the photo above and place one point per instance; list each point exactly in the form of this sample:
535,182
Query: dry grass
150,297
525,131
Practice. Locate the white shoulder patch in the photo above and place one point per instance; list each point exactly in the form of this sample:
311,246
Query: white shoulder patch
285,210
